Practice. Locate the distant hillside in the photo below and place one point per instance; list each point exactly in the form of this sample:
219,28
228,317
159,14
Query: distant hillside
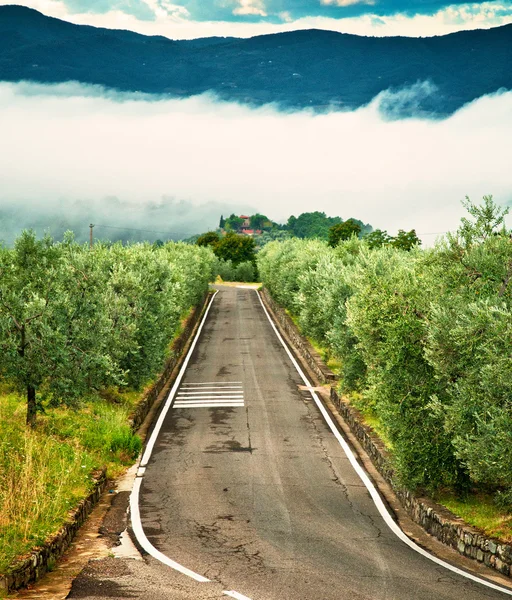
299,69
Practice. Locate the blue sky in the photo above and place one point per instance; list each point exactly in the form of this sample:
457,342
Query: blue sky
196,18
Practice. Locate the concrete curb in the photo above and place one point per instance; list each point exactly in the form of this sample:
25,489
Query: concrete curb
23,572
433,518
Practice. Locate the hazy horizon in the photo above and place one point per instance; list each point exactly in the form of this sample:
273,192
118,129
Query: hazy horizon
68,147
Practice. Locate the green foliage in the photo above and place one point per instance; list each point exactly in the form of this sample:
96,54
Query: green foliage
343,231
489,219
387,314
233,223
425,336
210,238
317,225
45,472
236,248
258,221
405,240
311,225
245,271
377,238
271,235
75,320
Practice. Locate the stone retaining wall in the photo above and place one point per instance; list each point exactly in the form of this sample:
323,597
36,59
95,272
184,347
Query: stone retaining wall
309,354
435,519
26,571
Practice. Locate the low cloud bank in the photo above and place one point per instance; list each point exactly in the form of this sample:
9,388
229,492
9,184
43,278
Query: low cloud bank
87,155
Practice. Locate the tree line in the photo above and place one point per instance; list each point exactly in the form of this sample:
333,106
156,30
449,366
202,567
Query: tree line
74,320
424,339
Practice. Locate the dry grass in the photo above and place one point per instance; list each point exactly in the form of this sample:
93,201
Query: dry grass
46,472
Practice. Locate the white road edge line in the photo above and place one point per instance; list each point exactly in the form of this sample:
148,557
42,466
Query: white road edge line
146,544
366,480
151,444
134,497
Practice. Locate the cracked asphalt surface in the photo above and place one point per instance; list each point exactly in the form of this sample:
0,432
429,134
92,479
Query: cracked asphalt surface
261,499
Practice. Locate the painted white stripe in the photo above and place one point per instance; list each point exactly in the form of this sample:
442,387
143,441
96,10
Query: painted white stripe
199,394
184,398
236,595
207,400
216,382
368,483
239,390
223,387
210,405
146,544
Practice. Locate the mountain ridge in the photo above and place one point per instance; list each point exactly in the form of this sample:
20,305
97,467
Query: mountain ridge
297,69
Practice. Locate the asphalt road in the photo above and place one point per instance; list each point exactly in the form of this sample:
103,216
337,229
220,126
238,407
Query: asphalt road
248,487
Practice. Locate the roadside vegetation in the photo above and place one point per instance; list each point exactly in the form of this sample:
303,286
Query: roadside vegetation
82,333
423,342
235,256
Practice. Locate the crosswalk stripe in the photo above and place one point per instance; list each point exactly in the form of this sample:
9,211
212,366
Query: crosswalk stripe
201,393
210,405
214,394
223,387
227,397
199,400
214,383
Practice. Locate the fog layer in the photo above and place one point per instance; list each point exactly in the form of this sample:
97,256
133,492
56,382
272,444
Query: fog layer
84,154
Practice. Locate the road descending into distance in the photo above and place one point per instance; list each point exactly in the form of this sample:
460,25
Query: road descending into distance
248,487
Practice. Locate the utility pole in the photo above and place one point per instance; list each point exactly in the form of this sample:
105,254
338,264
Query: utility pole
91,226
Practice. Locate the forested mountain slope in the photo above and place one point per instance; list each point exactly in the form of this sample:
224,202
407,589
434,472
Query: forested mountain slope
312,68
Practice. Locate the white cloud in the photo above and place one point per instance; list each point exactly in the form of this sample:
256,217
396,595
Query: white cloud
343,3
250,7
70,142
164,8
175,22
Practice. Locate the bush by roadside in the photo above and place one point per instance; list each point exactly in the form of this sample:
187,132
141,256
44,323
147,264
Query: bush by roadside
423,339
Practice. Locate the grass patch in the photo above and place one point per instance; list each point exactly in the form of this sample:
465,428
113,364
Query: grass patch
45,473
333,363
479,510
